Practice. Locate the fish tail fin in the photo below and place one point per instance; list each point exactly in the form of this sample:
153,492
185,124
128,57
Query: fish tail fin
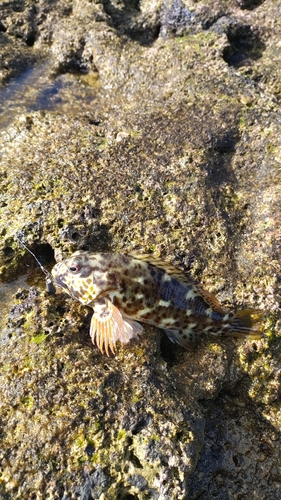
246,324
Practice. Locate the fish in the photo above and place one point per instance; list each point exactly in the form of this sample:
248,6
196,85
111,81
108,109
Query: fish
125,289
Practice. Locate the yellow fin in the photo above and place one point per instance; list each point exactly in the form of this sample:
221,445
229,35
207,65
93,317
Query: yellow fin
247,324
108,326
173,271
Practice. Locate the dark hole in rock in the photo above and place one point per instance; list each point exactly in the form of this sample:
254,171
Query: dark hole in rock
8,251
67,10
238,460
168,350
60,222
135,461
92,121
249,4
30,40
90,449
44,253
70,233
141,424
244,46
75,236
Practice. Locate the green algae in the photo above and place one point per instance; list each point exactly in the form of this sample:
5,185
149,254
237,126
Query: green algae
39,338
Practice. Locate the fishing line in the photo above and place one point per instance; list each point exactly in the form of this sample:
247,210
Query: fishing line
50,288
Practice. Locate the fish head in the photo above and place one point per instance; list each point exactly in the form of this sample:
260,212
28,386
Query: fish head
81,276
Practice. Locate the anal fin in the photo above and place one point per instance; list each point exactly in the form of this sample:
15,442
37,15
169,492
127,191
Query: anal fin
186,338
108,326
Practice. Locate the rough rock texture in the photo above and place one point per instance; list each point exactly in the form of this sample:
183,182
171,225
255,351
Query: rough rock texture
155,126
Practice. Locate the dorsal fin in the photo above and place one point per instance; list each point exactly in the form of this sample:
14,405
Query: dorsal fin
165,266
210,299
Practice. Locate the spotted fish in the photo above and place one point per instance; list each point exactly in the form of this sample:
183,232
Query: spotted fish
124,288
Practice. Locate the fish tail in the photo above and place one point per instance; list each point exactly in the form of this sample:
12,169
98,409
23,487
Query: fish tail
246,324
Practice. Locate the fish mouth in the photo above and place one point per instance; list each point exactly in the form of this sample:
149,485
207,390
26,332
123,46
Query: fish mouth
58,281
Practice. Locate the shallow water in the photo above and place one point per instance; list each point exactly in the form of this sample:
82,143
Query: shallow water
37,89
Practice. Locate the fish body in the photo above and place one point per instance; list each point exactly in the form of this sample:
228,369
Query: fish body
126,289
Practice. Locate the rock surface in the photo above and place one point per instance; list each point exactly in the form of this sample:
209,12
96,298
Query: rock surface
153,126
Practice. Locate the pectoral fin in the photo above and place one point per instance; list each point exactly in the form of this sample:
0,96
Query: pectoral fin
108,326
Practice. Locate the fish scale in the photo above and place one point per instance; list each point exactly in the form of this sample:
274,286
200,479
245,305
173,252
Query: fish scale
124,288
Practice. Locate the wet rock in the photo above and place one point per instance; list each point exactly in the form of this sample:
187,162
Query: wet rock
177,19
92,486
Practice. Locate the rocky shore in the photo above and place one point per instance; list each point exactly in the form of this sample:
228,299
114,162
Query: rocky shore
151,126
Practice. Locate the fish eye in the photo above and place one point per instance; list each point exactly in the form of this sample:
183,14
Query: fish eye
75,268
